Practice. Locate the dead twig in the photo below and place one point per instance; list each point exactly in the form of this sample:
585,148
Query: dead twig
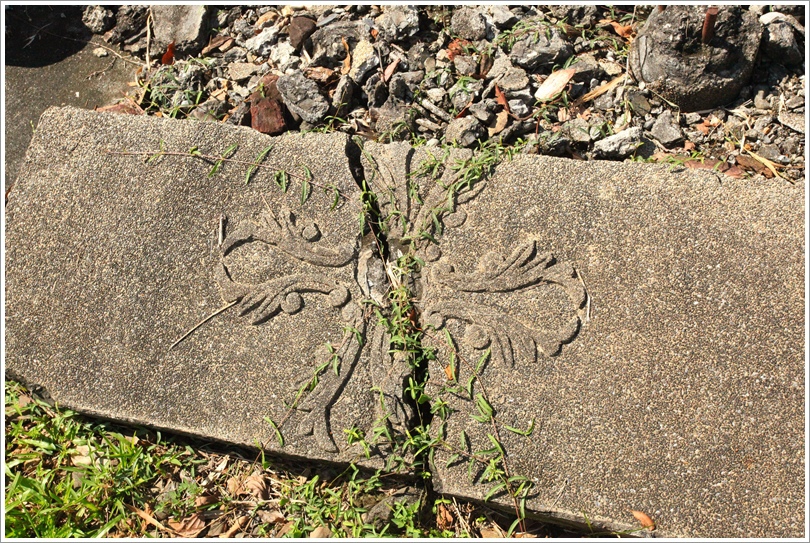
101,72
206,319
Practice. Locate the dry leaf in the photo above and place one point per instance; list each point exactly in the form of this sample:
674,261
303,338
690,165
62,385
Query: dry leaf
347,62
457,47
554,84
320,74
234,486
621,30
444,518
751,163
286,528
688,146
645,521
490,532
768,164
524,534
202,501
500,97
149,518
599,91
735,172
238,525
389,71
320,532
255,485
374,33
217,42
500,122
448,371
188,527
563,115
270,517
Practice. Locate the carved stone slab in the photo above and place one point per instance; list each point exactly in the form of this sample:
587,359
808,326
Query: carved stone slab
110,260
651,323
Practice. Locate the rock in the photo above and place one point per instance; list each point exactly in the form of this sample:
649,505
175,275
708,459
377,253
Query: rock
283,57
502,16
779,43
300,29
393,120
240,71
100,52
129,21
795,102
185,25
483,111
541,49
465,65
267,116
576,130
666,129
518,108
514,79
302,97
327,42
240,116
397,22
235,54
676,65
382,512
586,68
98,19
376,91
619,145
462,93
584,15
468,23
344,92
436,94
465,131
364,59
637,101
210,111
262,44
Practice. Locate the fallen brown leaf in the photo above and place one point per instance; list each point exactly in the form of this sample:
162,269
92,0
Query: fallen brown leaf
188,527
269,16
500,97
217,42
320,532
600,90
554,84
768,164
490,532
735,172
750,163
321,74
501,119
444,518
688,146
389,71
524,535
149,518
270,517
457,47
202,501
256,485
625,31
285,529
645,520
448,371
238,525
234,486
347,62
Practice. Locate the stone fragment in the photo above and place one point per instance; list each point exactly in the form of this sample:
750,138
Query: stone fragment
185,25
98,19
639,103
397,22
302,97
541,49
586,68
299,30
462,93
666,130
284,58
619,145
674,63
129,21
502,16
779,43
364,59
577,130
241,71
327,42
344,93
465,131
465,65
267,116
482,112
262,44
468,23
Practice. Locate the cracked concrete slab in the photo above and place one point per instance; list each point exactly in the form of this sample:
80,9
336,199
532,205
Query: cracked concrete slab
649,321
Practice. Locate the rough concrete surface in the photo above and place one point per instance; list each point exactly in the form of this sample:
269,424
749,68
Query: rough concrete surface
649,320
675,387
110,260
